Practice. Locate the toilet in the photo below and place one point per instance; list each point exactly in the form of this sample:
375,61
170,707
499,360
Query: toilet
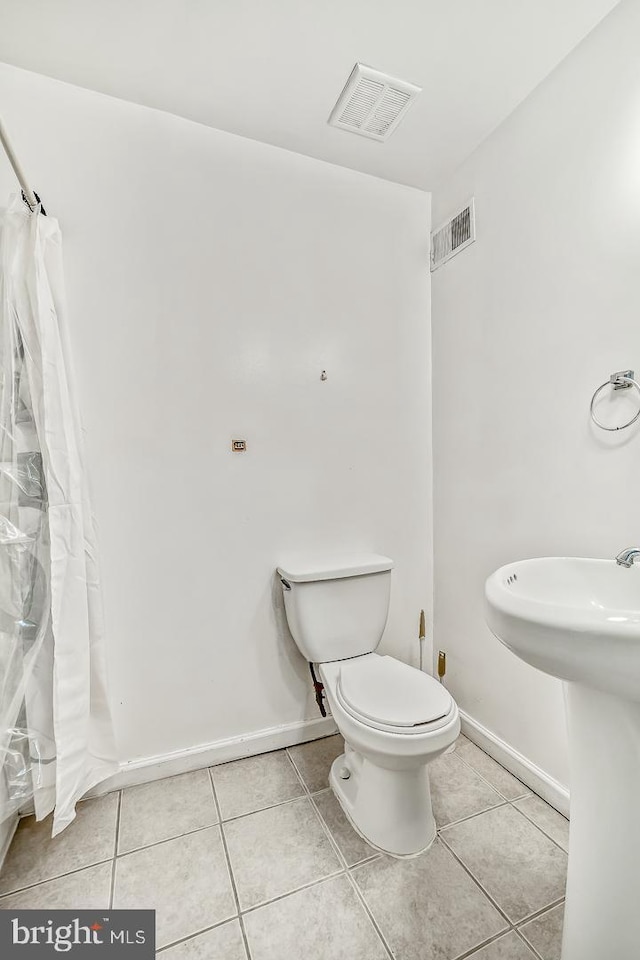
394,719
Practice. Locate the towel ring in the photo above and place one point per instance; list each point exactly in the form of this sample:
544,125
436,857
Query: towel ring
619,381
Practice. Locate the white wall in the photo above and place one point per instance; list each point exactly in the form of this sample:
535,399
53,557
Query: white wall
211,279
527,322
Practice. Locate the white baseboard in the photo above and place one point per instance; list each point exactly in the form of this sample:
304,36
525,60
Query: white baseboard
533,776
210,754
7,829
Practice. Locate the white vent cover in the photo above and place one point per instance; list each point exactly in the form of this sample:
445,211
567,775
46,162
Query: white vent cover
453,236
372,104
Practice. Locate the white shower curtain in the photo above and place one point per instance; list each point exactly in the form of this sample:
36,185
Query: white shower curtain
56,735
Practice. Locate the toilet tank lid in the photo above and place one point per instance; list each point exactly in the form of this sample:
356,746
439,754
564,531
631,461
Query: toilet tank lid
334,567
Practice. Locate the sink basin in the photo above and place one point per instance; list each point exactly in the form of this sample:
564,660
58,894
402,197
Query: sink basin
575,618
579,620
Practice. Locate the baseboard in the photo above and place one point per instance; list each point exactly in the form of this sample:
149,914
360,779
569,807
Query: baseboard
7,829
210,754
533,776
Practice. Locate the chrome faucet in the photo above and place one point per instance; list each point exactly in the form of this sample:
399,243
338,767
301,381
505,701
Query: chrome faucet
626,558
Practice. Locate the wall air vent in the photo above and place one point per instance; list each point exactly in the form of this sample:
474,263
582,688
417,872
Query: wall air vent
453,236
372,104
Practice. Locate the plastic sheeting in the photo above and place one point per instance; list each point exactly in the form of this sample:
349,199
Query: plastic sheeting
56,735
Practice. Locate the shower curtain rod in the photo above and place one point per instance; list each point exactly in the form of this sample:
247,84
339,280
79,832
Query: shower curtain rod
17,169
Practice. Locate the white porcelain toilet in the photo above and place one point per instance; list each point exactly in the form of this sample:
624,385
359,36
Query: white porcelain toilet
394,718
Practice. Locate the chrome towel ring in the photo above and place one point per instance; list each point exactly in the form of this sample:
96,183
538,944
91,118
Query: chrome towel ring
621,380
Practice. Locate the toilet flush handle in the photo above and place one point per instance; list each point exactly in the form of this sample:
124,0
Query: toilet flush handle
285,583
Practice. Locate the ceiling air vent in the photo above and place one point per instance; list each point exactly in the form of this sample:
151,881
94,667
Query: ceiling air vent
453,236
372,104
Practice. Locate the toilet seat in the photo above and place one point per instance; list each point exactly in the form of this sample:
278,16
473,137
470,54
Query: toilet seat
386,694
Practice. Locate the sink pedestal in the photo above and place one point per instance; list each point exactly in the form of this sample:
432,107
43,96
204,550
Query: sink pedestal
602,916
578,619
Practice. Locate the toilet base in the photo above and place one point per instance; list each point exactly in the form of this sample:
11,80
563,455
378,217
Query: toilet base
389,809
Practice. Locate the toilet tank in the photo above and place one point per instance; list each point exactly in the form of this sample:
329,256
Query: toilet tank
337,607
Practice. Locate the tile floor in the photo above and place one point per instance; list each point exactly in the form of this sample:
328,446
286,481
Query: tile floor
254,860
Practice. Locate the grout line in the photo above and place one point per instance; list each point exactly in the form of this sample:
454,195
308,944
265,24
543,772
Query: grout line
524,940
311,797
485,943
232,879
112,890
527,790
467,953
270,806
306,795
118,819
289,893
373,920
334,843
192,936
245,938
378,855
471,816
318,793
58,876
477,882
521,796
527,817
540,912
512,801
299,775
213,793
156,843
512,924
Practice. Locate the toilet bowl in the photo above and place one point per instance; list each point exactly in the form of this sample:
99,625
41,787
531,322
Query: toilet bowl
394,718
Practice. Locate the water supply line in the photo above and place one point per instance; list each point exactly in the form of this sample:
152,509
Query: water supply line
319,691
422,637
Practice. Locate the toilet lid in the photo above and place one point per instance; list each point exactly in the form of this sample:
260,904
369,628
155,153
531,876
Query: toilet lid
387,691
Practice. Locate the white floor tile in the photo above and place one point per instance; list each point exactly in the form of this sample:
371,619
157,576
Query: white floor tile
277,850
34,856
164,809
186,881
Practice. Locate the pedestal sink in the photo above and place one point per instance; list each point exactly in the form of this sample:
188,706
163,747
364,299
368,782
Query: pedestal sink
579,620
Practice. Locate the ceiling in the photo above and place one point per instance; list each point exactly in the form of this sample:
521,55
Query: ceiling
272,69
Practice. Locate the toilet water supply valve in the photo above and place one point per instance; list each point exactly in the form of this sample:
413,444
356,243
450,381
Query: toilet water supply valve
319,691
